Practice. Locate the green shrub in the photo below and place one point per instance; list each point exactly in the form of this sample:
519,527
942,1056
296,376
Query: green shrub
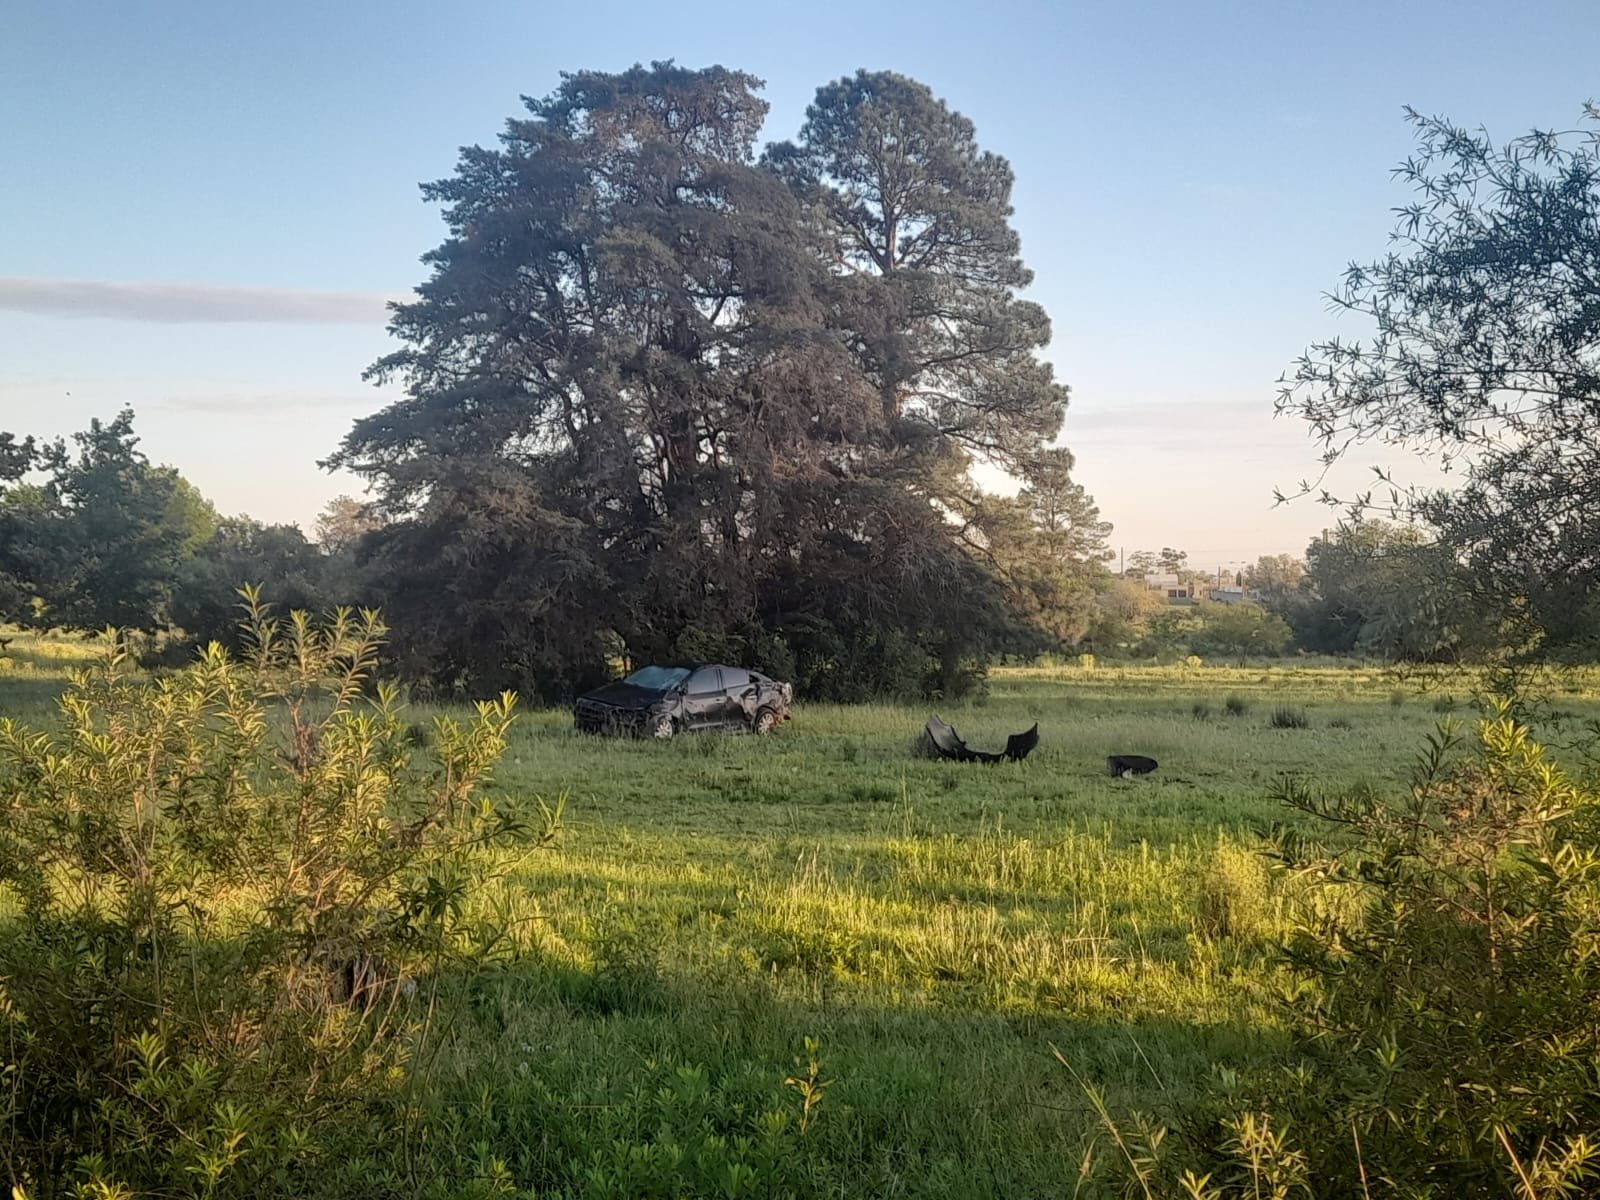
1200,710
1234,897
627,972
1236,706
219,889
1445,985
1451,1023
1287,717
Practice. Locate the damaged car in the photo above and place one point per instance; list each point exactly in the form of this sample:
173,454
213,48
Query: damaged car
660,701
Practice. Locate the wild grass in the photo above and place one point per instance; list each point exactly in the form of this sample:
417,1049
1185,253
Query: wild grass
1288,716
937,931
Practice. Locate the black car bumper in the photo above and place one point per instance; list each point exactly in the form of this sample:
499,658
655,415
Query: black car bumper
590,717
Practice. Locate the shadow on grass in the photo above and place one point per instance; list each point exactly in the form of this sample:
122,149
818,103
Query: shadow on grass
552,1067
31,698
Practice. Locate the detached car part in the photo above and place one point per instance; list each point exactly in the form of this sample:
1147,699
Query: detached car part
1126,766
949,745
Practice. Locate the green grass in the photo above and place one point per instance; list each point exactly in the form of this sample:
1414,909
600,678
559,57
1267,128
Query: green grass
938,929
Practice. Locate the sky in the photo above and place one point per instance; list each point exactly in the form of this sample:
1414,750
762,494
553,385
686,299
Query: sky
205,207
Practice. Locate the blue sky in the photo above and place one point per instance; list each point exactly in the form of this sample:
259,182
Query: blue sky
1191,178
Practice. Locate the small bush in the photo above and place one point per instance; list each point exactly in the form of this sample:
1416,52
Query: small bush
1340,723
1445,704
1236,706
1397,699
1287,717
226,883
1201,710
1234,900
1447,986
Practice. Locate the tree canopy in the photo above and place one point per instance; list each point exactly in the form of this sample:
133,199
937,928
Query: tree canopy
99,541
1484,351
100,536
666,396
1391,591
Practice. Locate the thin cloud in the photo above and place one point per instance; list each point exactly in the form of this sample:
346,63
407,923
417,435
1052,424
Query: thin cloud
190,303
268,404
1199,417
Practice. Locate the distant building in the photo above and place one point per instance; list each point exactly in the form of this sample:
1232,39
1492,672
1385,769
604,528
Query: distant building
1228,594
1176,590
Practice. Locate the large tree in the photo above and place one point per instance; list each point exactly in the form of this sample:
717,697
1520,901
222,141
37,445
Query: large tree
650,410
291,573
926,264
1047,545
16,459
1275,580
1483,348
1391,591
596,373
101,540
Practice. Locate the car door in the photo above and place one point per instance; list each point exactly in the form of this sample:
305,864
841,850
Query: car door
704,700
740,688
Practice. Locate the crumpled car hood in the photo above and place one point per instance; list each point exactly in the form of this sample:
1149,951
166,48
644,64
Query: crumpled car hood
625,696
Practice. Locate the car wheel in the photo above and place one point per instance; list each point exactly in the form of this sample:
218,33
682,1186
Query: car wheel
662,727
766,721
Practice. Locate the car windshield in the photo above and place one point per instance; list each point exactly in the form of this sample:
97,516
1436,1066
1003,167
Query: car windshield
658,679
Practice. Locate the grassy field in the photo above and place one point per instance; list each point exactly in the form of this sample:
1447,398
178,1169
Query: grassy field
938,933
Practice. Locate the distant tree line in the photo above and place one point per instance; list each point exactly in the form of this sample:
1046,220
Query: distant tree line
92,534
1384,590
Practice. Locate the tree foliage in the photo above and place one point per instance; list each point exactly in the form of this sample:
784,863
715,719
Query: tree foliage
1275,579
927,264
342,523
1173,560
667,399
1123,610
16,459
1141,563
101,540
1046,545
1238,629
1484,351
1391,591
276,559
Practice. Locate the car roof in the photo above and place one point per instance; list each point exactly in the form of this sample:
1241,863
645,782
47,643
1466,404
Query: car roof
699,666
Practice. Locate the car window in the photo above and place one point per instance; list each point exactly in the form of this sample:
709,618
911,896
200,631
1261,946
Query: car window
658,679
734,679
704,681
